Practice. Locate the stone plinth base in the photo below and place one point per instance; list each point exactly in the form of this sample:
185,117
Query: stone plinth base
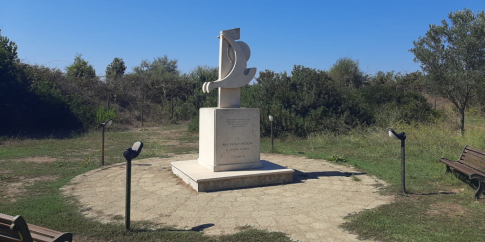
204,180
229,139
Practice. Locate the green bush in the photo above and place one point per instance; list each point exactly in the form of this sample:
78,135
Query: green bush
194,124
103,114
304,103
389,105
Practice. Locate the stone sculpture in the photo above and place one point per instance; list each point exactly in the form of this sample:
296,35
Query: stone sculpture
233,71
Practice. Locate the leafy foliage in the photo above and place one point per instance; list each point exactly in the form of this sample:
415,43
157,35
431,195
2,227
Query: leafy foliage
30,98
115,69
390,105
305,102
346,72
337,158
80,68
103,114
453,57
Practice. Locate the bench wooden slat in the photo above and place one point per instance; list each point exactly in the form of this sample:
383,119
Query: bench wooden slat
476,155
4,218
5,229
463,168
8,239
41,238
474,158
473,163
473,168
63,237
42,231
475,150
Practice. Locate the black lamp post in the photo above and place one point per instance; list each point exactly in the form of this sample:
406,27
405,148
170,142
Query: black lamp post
104,125
272,143
130,154
402,137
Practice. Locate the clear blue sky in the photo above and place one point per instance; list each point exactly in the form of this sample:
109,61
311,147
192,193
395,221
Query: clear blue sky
280,33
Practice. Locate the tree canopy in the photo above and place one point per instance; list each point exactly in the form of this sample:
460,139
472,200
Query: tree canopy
452,55
115,69
80,68
346,72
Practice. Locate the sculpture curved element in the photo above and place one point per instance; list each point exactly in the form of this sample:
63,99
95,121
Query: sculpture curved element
239,75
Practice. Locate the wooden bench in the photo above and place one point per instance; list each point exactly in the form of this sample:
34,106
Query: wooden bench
15,229
472,164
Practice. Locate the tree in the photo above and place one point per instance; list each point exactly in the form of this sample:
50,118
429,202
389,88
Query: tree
8,58
116,69
114,73
346,72
80,68
452,55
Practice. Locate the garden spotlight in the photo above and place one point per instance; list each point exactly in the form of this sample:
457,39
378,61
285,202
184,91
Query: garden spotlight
402,137
272,144
104,125
130,154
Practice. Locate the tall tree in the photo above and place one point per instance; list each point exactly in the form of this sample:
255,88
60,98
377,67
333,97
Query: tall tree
114,72
80,68
13,93
115,69
347,73
453,57
8,58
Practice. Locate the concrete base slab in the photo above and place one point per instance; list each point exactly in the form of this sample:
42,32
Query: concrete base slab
204,180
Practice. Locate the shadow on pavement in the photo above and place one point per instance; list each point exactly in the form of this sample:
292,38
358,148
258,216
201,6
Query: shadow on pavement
299,176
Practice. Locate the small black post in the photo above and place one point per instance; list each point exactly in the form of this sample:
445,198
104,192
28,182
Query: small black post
272,141
130,154
402,137
102,149
128,194
104,125
403,165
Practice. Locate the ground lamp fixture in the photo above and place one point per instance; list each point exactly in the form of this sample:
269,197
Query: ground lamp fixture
130,154
104,125
402,137
272,144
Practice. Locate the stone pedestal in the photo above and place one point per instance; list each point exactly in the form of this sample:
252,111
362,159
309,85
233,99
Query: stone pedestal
229,139
203,180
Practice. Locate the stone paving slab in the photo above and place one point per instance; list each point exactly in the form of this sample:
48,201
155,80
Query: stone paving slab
310,209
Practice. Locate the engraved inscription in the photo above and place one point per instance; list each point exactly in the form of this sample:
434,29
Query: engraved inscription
237,122
238,146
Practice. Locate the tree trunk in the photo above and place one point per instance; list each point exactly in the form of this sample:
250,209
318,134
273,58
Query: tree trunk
142,104
171,107
462,120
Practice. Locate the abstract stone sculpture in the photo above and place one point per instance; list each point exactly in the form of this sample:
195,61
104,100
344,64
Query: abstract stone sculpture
233,74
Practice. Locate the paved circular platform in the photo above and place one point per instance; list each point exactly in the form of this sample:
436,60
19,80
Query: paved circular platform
309,209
